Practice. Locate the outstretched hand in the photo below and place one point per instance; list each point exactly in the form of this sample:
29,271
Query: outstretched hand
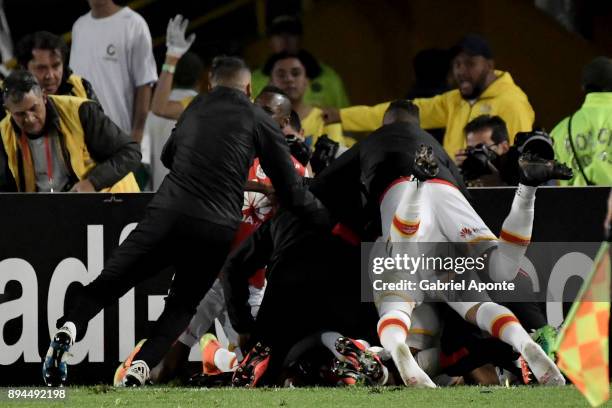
176,43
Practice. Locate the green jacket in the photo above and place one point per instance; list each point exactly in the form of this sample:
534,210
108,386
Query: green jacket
591,134
326,90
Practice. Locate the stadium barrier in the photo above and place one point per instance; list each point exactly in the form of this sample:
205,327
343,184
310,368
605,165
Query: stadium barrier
51,242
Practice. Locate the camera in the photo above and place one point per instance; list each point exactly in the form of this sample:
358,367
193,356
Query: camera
478,162
298,149
324,153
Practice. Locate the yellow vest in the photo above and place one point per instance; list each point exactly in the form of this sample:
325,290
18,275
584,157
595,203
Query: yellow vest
449,110
74,140
77,86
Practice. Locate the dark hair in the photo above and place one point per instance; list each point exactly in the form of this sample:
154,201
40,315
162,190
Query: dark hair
597,75
42,40
189,70
495,123
403,108
310,63
294,121
226,69
273,89
285,25
19,83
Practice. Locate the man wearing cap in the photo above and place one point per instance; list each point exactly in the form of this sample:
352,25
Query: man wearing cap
583,140
481,89
325,88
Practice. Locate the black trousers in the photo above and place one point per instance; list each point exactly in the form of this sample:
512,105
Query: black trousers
196,248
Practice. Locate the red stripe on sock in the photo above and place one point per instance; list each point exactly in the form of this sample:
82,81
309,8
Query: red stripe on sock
232,363
405,228
392,322
515,239
500,323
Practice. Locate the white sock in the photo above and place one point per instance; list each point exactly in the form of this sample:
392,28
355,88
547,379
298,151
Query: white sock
407,216
500,322
71,329
225,360
393,329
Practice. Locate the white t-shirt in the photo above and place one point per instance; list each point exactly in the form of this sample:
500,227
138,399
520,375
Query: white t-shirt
116,55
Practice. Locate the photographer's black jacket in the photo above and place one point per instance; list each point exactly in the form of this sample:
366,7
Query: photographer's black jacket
209,154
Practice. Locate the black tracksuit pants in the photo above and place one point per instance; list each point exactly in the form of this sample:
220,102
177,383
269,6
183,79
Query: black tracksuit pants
196,248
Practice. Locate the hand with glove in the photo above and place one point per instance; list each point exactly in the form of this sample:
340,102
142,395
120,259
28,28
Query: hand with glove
176,43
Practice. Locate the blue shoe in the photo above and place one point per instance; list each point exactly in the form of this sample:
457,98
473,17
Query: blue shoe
55,369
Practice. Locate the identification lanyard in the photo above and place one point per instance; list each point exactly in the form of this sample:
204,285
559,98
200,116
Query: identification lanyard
48,156
49,162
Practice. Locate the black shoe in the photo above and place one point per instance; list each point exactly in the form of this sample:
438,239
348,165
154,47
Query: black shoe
55,369
425,166
533,170
361,364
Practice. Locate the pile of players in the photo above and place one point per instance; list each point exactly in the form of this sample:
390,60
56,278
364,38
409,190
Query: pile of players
287,301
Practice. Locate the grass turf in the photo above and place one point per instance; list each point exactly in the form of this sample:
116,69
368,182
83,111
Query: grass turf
150,397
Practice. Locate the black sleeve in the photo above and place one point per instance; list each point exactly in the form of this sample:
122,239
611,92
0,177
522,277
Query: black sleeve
114,152
273,153
7,182
167,154
252,255
89,90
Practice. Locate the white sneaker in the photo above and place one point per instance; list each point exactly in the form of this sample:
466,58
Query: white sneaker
411,373
137,374
542,367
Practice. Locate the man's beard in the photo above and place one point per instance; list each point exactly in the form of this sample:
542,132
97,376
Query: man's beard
477,88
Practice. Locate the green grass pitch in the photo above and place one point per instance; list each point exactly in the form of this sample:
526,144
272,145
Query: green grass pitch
353,397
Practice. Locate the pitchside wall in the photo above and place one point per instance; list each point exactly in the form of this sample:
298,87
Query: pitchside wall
50,242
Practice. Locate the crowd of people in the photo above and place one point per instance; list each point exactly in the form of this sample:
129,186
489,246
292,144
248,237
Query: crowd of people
278,180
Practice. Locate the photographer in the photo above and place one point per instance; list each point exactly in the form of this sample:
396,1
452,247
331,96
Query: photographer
487,146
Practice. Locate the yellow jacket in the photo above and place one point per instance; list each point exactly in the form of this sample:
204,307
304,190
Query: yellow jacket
314,127
449,110
72,135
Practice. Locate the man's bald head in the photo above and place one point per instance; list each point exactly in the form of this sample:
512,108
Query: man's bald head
231,72
274,101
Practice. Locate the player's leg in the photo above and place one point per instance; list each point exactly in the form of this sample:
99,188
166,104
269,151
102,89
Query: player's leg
141,255
501,323
194,238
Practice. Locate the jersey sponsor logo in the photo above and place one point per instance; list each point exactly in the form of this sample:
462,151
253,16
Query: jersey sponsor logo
466,232
485,108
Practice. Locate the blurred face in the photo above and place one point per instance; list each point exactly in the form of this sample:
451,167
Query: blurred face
284,42
98,3
485,136
290,75
274,104
471,74
29,113
47,66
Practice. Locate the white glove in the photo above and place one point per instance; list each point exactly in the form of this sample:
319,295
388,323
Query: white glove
176,43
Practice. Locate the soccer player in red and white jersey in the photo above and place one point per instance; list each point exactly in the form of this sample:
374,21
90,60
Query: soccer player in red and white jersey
422,209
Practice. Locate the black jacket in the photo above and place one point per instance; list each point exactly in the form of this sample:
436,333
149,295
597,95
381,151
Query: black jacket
209,154
114,151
